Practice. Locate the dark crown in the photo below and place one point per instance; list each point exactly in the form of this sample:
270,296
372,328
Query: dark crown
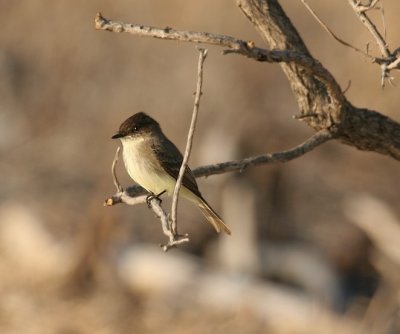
137,122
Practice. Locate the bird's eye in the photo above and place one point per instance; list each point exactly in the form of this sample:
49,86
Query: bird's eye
135,128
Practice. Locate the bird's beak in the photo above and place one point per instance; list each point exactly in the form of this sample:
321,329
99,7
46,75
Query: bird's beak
117,135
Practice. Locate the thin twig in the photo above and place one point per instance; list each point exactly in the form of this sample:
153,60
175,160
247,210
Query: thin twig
388,61
202,58
383,21
306,115
115,179
173,238
134,195
314,141
380,41
330,32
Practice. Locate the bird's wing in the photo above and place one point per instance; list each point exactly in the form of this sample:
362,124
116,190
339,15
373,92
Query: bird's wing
171,160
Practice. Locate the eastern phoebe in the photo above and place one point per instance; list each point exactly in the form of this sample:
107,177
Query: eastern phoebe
153,162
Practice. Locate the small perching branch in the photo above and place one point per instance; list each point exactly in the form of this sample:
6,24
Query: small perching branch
311,143
202,58
135,195
122,196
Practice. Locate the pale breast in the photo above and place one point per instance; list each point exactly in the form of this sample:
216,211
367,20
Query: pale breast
142,166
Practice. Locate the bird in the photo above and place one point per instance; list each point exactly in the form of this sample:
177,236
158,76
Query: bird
153,162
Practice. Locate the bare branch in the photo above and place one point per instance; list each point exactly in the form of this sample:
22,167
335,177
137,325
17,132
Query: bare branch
364,129
234,45
101,23
383,21
361,13
389,60
315,89
240,165
134,195
173,239
330,32
202,58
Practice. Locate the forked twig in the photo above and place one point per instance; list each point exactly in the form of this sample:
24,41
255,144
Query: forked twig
389,60
361,13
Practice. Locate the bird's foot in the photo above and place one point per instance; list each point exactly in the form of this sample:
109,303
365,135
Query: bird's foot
152,196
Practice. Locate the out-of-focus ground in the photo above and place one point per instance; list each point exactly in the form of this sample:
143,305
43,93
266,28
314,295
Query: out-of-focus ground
315,241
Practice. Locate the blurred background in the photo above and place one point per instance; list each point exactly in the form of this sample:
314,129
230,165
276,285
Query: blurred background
314,247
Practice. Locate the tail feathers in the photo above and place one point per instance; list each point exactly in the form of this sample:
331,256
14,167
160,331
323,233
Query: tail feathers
213,218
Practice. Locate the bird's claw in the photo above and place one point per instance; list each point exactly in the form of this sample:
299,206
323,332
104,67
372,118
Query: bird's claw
152,196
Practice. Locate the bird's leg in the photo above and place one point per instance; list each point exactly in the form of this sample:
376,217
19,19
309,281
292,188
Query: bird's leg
152,196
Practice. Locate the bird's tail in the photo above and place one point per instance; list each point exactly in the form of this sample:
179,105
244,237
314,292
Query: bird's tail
212,217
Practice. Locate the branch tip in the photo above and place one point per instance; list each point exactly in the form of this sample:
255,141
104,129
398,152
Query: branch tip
99,21
108,202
